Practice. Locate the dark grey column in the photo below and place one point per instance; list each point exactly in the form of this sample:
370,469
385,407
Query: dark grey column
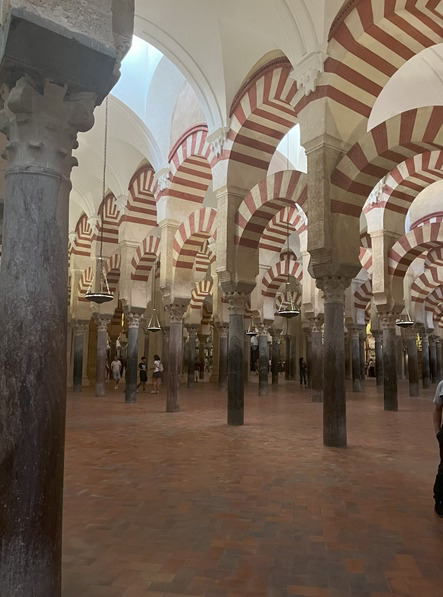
362,358
293,358
113,346
80,328
439,359
348,351
263,359
287,356
133,318
275,358
165,354
425,360
334,391
411,344
378,334
433,359
201,354
247,358
317,361
400,353
223,357
387,321
192,342
175,359
309,356
102,322
356,369
236,380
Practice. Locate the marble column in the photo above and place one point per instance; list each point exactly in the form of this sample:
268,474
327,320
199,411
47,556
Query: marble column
309,357
378,334
293,357
356,369
287,357
40,121
362,341
201,354
175,355
247,358
80,328
236,380
275,355
334,391
263,359
400,353
433,359
348,350
113,346
133,318
426,371
223,331
102,322
411,345
165,354
439,359
390,385
317,359
192,342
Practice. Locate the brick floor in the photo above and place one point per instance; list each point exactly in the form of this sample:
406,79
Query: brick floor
168,505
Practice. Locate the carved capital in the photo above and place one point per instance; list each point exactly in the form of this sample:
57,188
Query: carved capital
176,311
263,327
162,178
387,320
237,302
133,319
81,327
355,331
102,322
316,323
192,330
307,71
378,335
223,330
216,140
333,288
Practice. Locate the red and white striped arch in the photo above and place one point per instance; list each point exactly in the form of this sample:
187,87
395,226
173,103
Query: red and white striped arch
366,259
278,274
112,271
189,161
276,232
191,236
204,258
413,245
141,208
380,151
200,292
425,284
83,237
261,115
434,257
283,301
111,220
368,42
434,300
145,256
84,283
363,295
264,201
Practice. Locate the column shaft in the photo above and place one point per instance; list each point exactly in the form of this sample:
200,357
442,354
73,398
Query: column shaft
390,363
317,365
201,355
412,364
287,357
378,358
275,358
293,358
309,359
78,361
356,354
425,361
263,361
175,365
132,358
191,355
100,366
362,358
223,359
439,360
348,360
236,347
433,360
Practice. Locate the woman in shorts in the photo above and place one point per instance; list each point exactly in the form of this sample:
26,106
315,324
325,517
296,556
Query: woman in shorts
157,374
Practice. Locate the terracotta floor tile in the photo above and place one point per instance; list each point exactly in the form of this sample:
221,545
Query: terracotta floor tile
181,504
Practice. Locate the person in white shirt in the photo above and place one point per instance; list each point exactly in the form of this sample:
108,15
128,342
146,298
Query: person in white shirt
116,368
157,374
437,418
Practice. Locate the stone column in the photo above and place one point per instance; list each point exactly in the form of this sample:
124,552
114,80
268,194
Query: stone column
400,353
378,334
387,322
356,369
309,356
80,328
192,338
247,358
411,345
362,359
439,359
102,322
292,357
425,359
113,345
165,354
287,356
223,331
201,354
133,318
317,359
334,392
433,358
41,121
348,350
175,356
237,302
275,357
263,359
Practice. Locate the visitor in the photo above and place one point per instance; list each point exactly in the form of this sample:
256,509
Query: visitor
143,371
116,368
196,370
437,415
157,374
370,369
303,368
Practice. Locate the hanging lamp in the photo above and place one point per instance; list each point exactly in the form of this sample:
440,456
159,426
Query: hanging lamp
101,294
154,323
252,330
405,320
291,310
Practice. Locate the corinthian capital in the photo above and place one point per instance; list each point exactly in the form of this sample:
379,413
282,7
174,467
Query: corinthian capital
176,311
237,302
333,288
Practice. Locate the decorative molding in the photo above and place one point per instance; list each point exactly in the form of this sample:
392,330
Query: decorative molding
121,202
237,302
333,288
216,140
307,71
162,178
